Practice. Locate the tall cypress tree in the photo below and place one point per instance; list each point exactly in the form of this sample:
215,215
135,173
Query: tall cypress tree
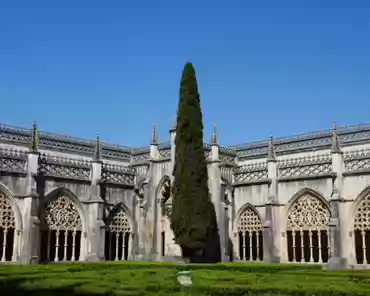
193,218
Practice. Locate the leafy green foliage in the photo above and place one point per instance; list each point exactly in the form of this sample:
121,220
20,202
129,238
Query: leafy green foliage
144,278
193,218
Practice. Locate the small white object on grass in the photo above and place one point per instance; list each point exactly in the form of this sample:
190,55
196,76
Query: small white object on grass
183,277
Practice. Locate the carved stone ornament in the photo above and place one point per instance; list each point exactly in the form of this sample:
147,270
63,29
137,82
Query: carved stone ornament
7,219
249,221
251,172
306,166
64,167
13,160
165,198
118,174
226,199
357,160
62,214
362,215
348,134
166,190
119,222
139,191
308,213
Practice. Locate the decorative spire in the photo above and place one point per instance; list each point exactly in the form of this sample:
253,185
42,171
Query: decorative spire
214,139
271,155
335,144
34,145
97,152
154,139
173,126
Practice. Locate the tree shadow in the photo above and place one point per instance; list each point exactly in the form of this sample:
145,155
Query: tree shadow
14,288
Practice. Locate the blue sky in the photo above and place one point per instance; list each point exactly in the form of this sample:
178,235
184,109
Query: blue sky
114,67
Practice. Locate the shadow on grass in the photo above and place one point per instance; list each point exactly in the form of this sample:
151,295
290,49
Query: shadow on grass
14,288
134,283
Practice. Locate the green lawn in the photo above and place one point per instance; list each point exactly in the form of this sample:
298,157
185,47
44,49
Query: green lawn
136,278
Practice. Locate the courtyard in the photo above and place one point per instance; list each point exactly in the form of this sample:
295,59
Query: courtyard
145,278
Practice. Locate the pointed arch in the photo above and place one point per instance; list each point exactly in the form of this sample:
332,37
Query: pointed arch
63,226
306,191
17,213
248,226
359,202
247,207
120,208
60,192
307,216
119,227
360,226
10,226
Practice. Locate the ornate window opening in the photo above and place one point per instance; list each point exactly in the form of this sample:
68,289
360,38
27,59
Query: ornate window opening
117,235
362,231
7,229
250,236
61,231
307,230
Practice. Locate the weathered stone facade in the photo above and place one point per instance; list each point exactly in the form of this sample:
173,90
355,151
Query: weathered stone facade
304,198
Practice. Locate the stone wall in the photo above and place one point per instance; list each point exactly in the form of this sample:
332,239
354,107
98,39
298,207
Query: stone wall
89,200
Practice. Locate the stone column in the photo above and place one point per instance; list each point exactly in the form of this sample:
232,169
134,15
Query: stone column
173,147
142,196
30,251
94,209
153,195
217,194
336,260
270,239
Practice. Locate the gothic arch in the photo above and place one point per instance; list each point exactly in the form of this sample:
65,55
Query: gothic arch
364,194
360,226
249,233
303,192
307,227
63,226
10,226
118,238
242,210
17,213
120,207
56,193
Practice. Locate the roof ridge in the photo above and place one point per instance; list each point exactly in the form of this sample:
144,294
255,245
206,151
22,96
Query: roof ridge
303,136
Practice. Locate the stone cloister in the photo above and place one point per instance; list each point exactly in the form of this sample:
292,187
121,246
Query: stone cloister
303,199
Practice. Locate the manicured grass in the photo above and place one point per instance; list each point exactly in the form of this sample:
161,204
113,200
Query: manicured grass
137,278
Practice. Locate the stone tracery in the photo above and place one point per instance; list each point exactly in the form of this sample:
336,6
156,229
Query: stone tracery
118,235
119,222
62,214
307,230
249,228
62,226
7,228
362,230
